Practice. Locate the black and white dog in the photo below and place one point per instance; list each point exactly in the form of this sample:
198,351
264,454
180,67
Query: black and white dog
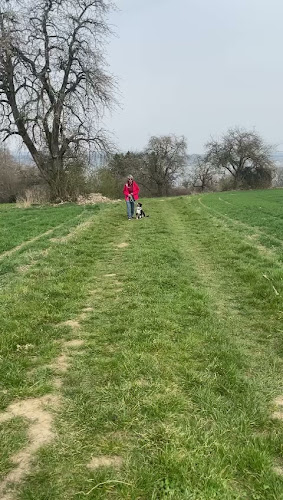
139,212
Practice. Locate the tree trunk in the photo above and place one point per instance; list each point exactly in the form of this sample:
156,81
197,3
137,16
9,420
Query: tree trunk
52,170
237,180
160,189
57,180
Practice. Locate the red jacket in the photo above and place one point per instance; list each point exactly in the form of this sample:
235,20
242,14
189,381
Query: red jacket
135,193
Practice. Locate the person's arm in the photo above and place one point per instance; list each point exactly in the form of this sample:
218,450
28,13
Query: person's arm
129,197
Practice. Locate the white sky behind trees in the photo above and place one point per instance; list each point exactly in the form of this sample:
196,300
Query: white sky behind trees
196,68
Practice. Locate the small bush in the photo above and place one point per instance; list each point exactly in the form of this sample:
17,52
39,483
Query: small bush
104,182
37,195
180,191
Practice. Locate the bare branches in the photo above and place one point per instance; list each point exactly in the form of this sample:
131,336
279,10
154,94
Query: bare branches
164,159
202,173
242,153
53,84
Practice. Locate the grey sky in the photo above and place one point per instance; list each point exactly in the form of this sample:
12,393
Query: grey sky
197,67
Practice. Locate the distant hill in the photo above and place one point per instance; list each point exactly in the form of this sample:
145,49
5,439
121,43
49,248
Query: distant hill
278,158
97,159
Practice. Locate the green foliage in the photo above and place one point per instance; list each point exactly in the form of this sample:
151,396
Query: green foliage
106,183
75,173
121,165
257,178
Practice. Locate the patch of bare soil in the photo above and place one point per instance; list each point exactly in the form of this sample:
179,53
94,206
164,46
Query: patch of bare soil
111,348
265,251
61,364
24,269
82,316
40,433
96,291
74,343
40,430
57,382
105,461
123,245
94,198
278,414
278,470
279,401
74,324
24,347
254,236
142,382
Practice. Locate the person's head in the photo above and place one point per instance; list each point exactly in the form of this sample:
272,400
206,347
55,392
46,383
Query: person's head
130,179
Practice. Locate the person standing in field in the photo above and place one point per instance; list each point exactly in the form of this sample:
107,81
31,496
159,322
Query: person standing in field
131,193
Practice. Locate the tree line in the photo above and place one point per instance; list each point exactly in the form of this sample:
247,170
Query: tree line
239,160
54,90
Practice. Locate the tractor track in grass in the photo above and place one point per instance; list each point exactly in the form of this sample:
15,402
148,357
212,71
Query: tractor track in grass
69,235
255,230
165,388
41,429
27,243
212,276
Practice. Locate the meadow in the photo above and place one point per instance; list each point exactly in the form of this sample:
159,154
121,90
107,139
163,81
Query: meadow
143,359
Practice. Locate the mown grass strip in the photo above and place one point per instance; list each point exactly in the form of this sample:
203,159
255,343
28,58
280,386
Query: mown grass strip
21,258
180,364
18,225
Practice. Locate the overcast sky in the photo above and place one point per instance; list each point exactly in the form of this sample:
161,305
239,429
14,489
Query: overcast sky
197,67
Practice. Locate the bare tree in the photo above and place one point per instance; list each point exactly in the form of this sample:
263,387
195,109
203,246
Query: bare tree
164,160
243,154
202,174
54,87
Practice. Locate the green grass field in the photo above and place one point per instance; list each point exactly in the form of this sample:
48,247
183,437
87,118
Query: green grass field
143,360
